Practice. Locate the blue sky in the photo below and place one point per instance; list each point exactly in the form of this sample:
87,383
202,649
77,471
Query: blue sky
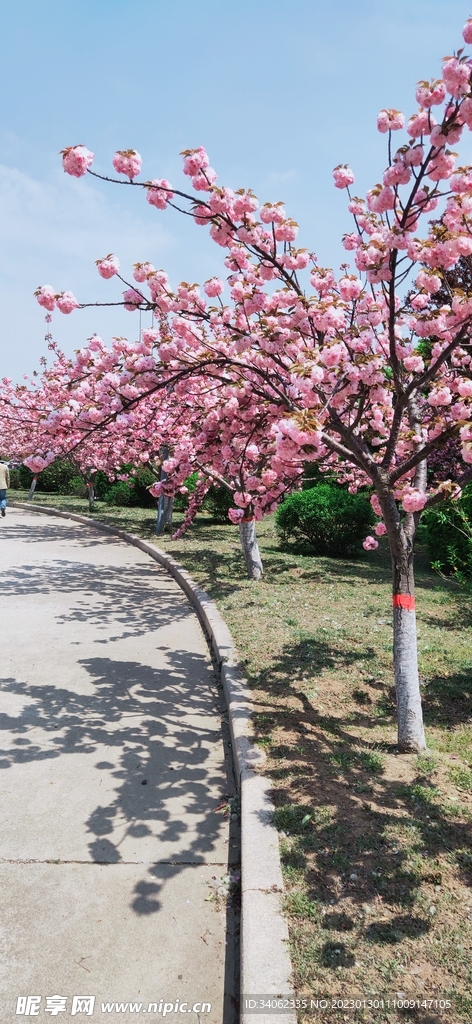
277,92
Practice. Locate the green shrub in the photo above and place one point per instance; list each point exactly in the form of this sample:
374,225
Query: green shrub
56,478
331,520
15,479
447,532
217,502
141,480
119,494
101,484
126,492
26,477
76,486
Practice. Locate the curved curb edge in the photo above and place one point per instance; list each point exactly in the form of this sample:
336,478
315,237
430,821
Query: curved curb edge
265,962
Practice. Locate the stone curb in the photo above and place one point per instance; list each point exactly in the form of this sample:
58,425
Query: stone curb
265,962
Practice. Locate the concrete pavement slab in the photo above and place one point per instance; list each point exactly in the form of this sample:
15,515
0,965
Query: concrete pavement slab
112,758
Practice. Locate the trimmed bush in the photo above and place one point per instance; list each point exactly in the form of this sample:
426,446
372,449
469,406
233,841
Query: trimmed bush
119,494
141,480
331,520
447,533
217,502
25,476
57,477
15,479
77,487
101,484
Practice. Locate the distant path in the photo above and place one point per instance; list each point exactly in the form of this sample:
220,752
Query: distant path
113,767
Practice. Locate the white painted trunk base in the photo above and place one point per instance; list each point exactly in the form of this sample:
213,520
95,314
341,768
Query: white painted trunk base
247,534
410,718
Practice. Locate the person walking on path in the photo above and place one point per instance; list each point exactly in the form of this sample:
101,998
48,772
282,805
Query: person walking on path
4,483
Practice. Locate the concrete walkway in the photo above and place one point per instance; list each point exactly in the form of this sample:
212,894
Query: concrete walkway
114,763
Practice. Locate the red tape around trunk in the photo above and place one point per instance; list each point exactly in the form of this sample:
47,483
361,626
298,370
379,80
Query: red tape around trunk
250,520
404,601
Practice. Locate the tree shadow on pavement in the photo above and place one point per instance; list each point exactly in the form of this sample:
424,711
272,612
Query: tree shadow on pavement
107,594
156,734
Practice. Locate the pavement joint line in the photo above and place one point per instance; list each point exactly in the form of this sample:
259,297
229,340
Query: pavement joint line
265,960
117,864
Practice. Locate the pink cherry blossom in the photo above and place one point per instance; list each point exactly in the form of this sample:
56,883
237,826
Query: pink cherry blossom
381,199
414,156
76,160
235,515
442,166
370,543
36,463
195,160
398,174
464,388
414,364
380,530
390,120
127,161
440,396
142,271
132,299
414,501
429,94
159,193
350,288
286,231
213,287
420,124
456,74
467,31
272,213
343,176
429,281
67,302
156,489
46,297
149,335
108,266
204,180
332,355
351,241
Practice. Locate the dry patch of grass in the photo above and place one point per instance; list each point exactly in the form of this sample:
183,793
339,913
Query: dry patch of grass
376,847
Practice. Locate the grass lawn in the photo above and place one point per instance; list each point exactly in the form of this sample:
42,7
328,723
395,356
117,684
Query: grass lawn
376,846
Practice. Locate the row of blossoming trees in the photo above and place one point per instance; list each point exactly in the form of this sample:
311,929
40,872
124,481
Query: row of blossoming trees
367,374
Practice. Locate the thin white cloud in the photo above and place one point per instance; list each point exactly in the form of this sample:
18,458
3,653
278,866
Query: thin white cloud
52,231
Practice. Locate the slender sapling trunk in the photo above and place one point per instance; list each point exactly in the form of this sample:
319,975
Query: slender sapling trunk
32,487
252,557
401,535
164,513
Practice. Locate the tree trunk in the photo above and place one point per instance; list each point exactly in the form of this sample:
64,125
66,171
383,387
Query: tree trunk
247,534
411,736
165,504
32,487
165,507
90,494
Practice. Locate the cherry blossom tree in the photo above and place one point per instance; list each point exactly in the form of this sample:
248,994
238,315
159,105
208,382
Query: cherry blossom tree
365,373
